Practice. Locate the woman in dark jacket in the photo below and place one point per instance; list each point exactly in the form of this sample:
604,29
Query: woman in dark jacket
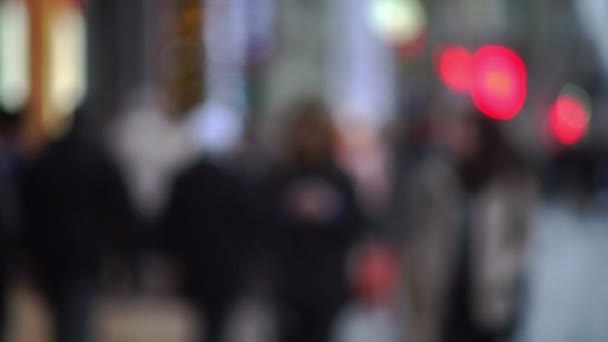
315,220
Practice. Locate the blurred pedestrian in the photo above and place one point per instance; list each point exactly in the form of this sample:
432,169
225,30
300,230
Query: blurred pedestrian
207,232
315,222
77,213
503,203
10,216
150,148
468,209
430,223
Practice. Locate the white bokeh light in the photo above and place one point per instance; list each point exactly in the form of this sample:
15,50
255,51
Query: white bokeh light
14,54
68,81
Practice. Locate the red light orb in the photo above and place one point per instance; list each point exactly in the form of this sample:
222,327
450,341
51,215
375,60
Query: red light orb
499,86
377,274
568,119
455,68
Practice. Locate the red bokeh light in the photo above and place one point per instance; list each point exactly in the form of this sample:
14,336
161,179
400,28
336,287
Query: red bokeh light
495,76
377,274
568,119
455,68
499,86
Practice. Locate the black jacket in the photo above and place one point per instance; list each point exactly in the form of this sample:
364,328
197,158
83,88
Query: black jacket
208,228
76,210
314,221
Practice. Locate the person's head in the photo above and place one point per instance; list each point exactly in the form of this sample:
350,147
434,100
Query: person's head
310,134
572,174
490,155
9,124
413,126
458,133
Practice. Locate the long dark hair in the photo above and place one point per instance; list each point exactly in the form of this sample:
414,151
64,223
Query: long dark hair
309,116
496,156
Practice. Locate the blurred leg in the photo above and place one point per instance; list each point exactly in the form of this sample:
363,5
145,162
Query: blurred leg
71,305
310,320
3,307
214,313
291,328
290,320
321,322
215,318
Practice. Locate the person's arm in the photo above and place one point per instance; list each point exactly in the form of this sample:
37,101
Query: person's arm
358,227
30,206
432,221
118,212
171,224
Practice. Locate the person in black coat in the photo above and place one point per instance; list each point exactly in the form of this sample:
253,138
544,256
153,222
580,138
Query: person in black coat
207,231
10,161
314,222
77,212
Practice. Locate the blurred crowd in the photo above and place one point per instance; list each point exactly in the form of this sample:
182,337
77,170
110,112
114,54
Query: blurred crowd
333,215
445,262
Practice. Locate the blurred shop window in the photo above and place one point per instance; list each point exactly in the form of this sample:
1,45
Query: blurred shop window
14,54
67,61
187,87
